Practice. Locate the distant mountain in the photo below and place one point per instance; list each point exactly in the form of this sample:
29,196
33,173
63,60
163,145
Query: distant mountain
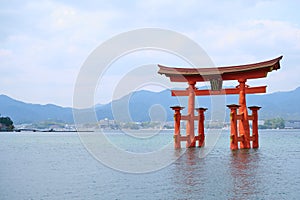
279,104
138,105
146,105
21,112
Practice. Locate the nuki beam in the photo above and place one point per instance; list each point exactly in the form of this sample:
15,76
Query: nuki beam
227,91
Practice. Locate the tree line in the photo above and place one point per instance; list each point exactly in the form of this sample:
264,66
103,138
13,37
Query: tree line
6,124
275,123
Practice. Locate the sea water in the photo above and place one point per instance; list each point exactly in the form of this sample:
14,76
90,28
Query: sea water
58,166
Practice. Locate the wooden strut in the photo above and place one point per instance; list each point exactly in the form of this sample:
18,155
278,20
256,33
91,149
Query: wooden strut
188,138
177,118
236,136
201,135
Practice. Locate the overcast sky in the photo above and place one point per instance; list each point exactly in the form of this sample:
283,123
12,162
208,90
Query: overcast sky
43,44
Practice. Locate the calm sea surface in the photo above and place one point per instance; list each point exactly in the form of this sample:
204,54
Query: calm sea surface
57,166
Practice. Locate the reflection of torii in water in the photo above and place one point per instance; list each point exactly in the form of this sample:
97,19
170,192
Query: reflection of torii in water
216,76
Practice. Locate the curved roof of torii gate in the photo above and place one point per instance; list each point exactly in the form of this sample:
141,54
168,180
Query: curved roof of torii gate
248,71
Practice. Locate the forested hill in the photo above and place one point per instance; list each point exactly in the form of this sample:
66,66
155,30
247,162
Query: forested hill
141,105
279,104
21,112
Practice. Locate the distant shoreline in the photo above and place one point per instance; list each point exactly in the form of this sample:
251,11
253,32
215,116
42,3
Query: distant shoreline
48,131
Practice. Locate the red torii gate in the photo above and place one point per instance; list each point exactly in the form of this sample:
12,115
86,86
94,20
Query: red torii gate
240,132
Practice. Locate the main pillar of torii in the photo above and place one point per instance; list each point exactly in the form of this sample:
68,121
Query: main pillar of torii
240,128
